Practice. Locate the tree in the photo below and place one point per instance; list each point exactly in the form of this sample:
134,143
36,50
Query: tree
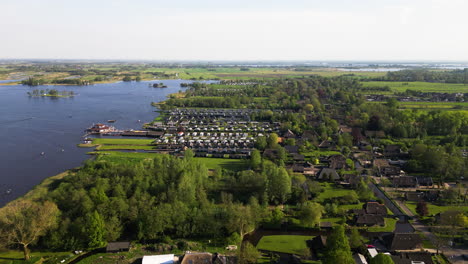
188,154
279,185
338,250
355,239
261,143
255,159
309,108
23,222
290,141
272,140
94,230
248,254
310,214
381,259
392,103
363,191
241,219
421,208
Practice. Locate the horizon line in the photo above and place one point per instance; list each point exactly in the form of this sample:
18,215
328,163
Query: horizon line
208,61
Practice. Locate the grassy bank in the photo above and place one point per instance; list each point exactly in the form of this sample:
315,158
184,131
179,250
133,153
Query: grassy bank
121,141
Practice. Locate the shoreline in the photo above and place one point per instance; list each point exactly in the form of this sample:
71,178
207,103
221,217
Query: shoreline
39,190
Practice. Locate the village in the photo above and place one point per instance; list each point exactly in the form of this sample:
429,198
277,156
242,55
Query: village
389,221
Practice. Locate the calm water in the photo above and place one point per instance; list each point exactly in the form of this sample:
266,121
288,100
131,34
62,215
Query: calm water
29,126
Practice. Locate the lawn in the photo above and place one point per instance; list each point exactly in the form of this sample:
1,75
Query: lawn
389,226
103,258
421,86
284,243
121,141
435,209
219,163
330,191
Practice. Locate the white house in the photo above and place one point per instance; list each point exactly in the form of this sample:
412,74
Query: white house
159,259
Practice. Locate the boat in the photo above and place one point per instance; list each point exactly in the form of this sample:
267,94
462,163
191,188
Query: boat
8,191
100,128
110,121
42,153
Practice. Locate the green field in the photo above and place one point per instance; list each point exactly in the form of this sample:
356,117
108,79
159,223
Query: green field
452,106
237,73
124,147
435,209
435,105
420,86
210,163
121,141
284,243
219,163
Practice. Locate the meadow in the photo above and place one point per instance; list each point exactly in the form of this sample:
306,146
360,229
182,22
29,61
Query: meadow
419,86
446,106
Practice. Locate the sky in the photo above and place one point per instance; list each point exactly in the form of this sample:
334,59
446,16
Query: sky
253,30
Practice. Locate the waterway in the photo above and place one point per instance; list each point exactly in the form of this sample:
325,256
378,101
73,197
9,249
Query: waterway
38,135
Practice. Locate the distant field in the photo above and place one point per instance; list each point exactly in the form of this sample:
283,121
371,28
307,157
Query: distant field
434,105
452,106
115,73
237,73
421,86
284,243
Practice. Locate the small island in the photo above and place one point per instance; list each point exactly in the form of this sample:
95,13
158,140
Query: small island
158,85
50,93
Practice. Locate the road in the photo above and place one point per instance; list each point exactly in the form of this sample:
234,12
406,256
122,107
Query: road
453,254
395,210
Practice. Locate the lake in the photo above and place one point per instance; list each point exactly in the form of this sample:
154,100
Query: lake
32,125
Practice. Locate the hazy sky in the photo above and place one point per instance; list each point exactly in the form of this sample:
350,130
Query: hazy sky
235,30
